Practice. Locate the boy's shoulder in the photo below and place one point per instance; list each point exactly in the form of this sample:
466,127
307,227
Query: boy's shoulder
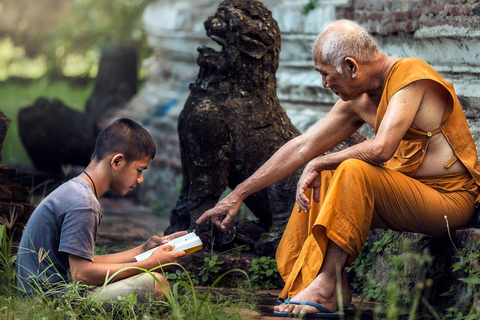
72,193
72,187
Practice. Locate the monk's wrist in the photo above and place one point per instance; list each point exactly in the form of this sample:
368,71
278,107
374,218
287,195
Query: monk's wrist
240,192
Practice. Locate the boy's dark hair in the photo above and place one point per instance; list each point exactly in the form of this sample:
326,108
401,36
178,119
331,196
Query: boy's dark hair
127,137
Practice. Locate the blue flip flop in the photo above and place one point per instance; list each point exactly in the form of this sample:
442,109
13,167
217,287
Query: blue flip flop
323,314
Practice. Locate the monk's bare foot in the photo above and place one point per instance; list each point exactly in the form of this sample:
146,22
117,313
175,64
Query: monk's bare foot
321,291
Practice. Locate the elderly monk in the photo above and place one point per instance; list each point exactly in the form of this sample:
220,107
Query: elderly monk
421,166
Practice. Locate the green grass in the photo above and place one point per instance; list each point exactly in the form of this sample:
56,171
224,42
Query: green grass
215,307
15,95
68,301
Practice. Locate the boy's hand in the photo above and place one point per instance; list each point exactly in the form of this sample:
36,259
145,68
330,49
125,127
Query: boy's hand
164,254
156,241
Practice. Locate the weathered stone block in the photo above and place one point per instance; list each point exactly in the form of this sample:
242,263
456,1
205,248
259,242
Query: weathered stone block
7,174
19,193
468,237
26,212
5,193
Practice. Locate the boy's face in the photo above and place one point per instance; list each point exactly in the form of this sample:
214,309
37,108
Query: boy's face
128,176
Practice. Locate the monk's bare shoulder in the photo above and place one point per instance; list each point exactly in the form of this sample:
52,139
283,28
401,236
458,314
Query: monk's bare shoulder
433,104
359,110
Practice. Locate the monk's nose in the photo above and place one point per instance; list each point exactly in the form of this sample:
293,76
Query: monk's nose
324,82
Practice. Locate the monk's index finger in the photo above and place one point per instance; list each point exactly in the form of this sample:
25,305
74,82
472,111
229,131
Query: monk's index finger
205,215
201,219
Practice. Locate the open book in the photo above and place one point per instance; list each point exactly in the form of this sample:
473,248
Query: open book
188,243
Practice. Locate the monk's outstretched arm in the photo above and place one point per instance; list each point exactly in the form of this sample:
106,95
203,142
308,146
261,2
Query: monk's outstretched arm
337,126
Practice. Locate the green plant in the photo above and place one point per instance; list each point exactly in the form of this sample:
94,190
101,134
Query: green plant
362,273
240,249
387,243
183,301
210,268
360,270
93,25
181,275
467,264
7,259
309,6
264,272
409,282
409,276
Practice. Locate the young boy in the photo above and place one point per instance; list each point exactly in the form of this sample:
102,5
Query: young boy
59,237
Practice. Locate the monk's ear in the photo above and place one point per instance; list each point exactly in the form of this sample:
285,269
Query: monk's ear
117,161
351,67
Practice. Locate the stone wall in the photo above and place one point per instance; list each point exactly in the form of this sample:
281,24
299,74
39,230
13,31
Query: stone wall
393,16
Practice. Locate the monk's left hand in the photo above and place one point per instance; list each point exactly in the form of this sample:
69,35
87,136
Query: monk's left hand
310,178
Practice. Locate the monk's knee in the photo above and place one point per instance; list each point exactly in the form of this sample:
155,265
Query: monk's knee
357,169
354,165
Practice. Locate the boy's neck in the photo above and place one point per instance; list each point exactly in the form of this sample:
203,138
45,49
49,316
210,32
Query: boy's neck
97,177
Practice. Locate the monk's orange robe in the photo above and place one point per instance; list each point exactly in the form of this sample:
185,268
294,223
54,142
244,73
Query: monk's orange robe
357,196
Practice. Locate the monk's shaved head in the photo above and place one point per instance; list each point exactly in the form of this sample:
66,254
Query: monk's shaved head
342,39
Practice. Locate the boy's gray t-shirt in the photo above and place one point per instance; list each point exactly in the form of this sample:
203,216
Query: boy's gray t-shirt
65,222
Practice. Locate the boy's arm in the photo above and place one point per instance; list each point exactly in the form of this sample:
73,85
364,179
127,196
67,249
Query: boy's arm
129,255
95,273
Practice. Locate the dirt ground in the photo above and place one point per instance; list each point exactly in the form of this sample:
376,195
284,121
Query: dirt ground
126,224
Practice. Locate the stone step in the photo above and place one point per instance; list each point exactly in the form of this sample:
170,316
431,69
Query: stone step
14,207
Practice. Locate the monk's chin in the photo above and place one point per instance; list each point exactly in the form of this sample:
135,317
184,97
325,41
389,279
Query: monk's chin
344,98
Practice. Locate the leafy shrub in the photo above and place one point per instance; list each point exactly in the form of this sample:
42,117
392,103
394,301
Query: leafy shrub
264,272
210,268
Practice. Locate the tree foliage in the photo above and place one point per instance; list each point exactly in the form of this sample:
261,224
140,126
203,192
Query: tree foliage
85,28
96,24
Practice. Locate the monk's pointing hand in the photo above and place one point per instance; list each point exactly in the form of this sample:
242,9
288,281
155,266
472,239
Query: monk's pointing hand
223,213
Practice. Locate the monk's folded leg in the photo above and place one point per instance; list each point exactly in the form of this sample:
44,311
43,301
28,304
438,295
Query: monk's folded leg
357,197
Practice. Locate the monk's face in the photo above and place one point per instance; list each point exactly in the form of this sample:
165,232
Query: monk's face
341,84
